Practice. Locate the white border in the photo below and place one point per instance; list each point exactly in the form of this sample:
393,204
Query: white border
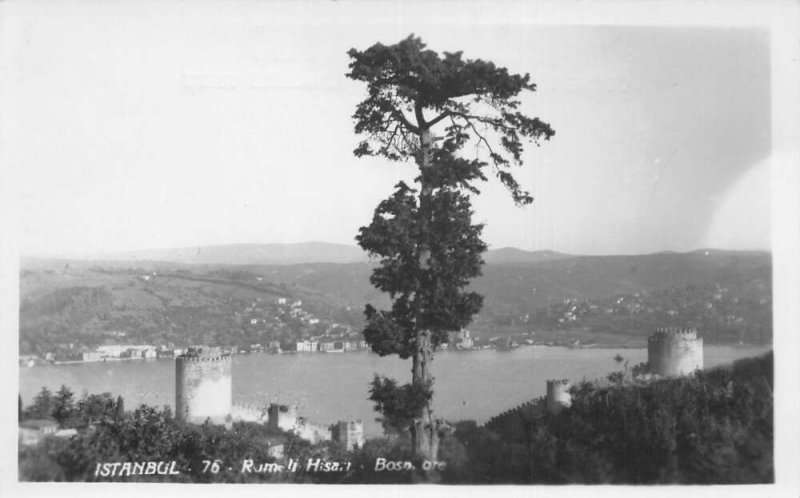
781,18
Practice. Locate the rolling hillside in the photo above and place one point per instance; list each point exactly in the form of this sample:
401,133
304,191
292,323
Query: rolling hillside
156,301
249,254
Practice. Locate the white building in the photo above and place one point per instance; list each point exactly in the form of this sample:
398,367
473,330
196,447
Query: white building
307,346
93,356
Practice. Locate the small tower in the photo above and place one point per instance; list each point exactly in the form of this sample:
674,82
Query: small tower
203,386
282,417
673,352
558,396
350,434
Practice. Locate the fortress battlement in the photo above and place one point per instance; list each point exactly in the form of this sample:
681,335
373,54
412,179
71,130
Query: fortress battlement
673,332
518,411
204,359
204,354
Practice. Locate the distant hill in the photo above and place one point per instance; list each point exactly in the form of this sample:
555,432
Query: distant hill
511,278
544,282
292,254
533,281
508,255
251,254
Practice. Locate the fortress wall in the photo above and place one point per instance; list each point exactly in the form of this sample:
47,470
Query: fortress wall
506,416
203,387
312,432
248,413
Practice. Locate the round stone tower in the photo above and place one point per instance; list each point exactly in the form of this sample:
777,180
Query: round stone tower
558,396
673,352
203,386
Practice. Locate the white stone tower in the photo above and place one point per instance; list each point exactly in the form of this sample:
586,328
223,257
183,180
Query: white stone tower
203,386
558,396
673,352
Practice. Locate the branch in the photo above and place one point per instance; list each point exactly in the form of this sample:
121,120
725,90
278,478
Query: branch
481,138
390,142
402,118
420,117
494,122
439,118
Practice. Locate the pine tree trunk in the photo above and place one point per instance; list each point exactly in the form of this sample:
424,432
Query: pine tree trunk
425,438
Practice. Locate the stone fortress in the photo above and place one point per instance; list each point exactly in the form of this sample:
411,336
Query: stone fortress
673,352
203,386
203,391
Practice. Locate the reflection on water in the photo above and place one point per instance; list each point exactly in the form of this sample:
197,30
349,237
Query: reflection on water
329,387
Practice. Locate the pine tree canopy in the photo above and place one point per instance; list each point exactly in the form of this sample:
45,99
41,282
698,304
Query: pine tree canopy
471,98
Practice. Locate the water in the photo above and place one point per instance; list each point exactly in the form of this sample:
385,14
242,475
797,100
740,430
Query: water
472,385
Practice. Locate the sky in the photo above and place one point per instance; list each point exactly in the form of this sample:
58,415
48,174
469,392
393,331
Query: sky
141,125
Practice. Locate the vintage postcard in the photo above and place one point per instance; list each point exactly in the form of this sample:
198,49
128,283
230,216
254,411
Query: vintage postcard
455,244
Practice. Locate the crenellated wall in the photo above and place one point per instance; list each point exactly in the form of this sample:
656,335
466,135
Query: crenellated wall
674,352
203,386
516,412
249,413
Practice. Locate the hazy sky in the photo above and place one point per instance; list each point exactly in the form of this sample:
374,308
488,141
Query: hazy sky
143,125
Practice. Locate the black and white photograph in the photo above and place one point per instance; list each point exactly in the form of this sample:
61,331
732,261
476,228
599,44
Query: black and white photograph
395,243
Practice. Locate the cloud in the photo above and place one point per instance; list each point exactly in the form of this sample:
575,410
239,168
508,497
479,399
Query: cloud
742,217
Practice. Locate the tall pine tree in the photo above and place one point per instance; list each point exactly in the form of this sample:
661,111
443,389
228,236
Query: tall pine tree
428,247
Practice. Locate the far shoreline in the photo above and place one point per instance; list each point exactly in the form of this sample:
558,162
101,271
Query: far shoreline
600,346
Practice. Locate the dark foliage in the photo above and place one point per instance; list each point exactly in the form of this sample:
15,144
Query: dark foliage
151,434
399,405
427,294
715,427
